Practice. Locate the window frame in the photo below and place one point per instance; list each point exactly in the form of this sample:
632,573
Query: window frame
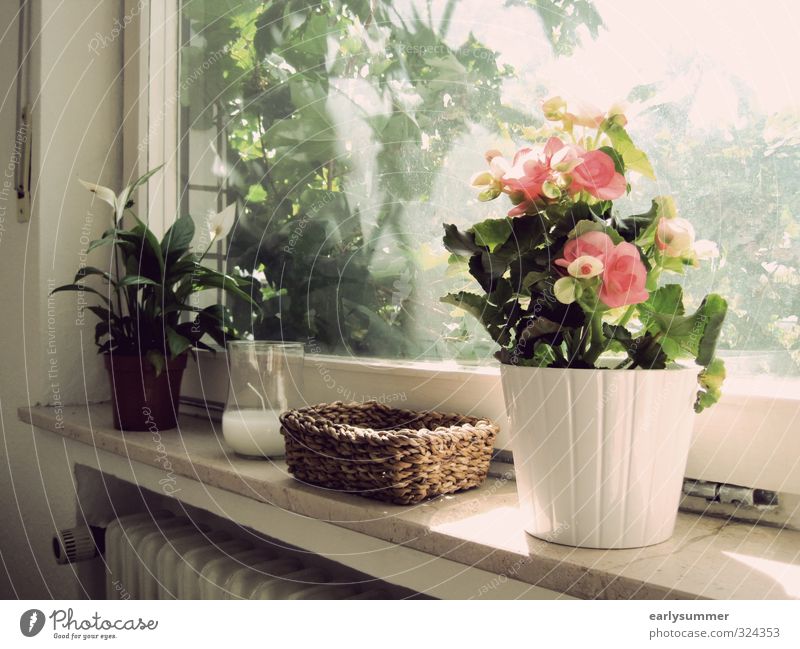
749,438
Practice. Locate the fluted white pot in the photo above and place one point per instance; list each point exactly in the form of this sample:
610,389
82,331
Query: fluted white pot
599,455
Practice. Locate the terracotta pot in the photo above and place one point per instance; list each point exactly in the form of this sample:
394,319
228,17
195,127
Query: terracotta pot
141,400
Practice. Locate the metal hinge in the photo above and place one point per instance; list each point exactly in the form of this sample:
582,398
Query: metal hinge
719,492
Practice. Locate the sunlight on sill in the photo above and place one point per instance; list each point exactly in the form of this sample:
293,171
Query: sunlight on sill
785,575
505,524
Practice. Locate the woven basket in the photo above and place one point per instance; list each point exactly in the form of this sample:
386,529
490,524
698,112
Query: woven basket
386,453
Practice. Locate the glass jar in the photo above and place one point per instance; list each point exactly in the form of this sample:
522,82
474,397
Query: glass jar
266,379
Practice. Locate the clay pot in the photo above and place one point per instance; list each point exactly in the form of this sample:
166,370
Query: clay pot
141,400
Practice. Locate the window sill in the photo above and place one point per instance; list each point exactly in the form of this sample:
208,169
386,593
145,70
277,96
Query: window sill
706,558
749,438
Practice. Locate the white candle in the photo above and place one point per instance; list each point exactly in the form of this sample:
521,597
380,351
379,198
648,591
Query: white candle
253,432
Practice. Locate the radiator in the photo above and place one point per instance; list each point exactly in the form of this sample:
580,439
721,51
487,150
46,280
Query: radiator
158,555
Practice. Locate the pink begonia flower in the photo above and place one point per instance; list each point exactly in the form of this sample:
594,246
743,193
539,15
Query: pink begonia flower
536,175
624,277
593,171
566,158
590,244
598,176
526,176
675,237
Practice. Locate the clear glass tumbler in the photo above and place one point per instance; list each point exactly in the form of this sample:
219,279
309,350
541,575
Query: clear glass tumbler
266,378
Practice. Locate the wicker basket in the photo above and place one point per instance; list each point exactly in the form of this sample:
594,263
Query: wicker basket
395,455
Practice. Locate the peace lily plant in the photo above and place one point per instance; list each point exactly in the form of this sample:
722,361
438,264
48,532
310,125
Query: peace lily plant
567,280
148,312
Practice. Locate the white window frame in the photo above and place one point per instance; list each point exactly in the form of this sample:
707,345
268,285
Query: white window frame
750,438
151,104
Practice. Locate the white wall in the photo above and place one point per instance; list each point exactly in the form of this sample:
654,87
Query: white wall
77,99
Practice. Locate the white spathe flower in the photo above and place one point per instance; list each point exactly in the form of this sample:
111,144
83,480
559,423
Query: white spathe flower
108,196
118,201
220,225
566,290
675,236
585,266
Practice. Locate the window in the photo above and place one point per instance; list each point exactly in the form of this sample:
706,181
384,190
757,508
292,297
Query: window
346,133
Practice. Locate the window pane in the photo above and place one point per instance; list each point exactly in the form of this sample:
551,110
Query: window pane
347,133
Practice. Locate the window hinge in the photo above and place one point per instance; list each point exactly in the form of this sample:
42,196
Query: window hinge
719,492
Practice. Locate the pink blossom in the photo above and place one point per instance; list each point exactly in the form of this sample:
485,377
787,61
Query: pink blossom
598,176
525,178
590,244
624,277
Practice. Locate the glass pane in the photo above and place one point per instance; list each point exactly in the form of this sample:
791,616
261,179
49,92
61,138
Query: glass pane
347,132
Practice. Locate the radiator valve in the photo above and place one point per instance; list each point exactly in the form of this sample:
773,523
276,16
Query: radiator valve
78,544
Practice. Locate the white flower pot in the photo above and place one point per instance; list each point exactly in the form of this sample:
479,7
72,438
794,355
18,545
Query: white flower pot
599,455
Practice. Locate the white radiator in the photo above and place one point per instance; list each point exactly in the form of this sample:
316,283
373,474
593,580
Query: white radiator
158,555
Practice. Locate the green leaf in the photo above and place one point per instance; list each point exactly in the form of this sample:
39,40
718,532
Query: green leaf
491,316
109,236
532,278
543,355
91,270
80,288
207,278
637,227
101,329
635,159
694,335
104,313
150,250
492,233
672,264
185,266
137,280
645,350
618,333
178,238
710,380
665,301
619,164
100,242
714,309
256,194
156,359
177,344
461,244
488,268
308,45
268,36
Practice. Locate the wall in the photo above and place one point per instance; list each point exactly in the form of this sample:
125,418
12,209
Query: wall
45,356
